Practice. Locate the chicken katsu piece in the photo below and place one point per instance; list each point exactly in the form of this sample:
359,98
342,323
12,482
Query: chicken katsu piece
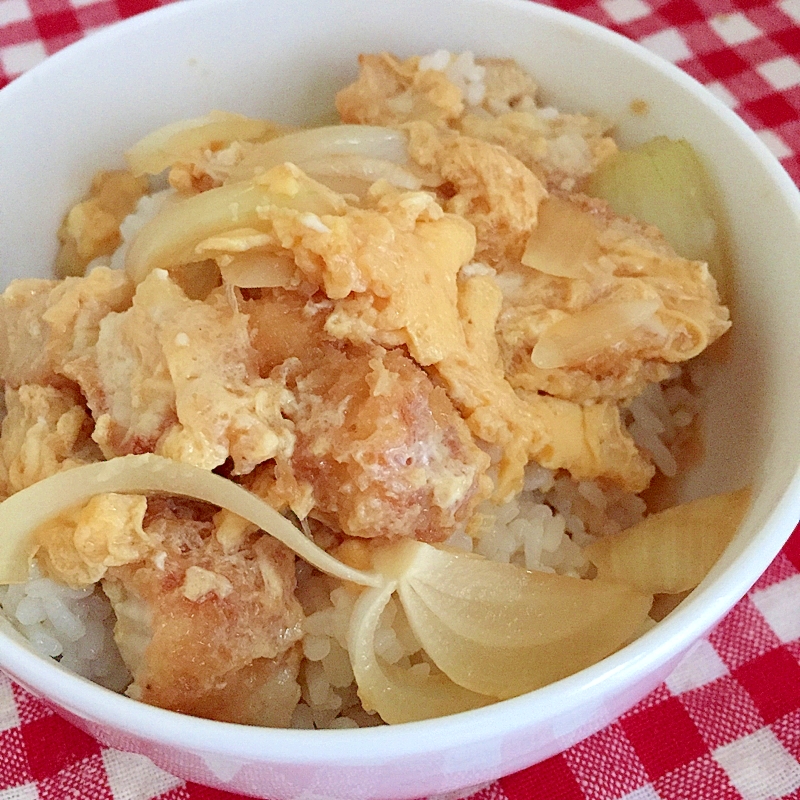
179,377
286,325
383,449
380,450
204,629
199,628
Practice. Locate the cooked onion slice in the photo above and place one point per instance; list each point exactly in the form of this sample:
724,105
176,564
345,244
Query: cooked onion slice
499,630
366,141
390,690
673,550
564,241
245,259
355,174
257,269
585,334
689,337
24,512
163,147
172,236
663,182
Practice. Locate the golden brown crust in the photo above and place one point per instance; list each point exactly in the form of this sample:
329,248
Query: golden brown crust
205,647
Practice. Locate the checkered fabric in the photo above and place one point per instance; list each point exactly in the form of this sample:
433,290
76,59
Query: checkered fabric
724,726
747,52
726,723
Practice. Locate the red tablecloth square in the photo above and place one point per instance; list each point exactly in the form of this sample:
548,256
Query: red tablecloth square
53,744
773,681
128,8
552,775
786,39
723,64
57,24
681,12
664,737
773,110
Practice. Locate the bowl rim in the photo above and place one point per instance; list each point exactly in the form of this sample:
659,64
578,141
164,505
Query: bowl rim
689,622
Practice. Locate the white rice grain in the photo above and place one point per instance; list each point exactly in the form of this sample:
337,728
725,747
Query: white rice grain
315,648
337,667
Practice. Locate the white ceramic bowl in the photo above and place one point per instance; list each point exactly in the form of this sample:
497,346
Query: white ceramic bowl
80,109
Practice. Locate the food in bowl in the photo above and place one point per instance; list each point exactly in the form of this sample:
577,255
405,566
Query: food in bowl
414,336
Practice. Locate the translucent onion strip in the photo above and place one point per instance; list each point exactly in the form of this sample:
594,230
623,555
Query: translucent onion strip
366,141
350,171
396,695
171,237
564,241
585,334
673,550
689,338
257,269
245,259
163,147
24,512
499,630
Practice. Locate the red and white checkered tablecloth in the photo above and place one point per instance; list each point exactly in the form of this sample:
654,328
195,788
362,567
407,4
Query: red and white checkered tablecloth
726,724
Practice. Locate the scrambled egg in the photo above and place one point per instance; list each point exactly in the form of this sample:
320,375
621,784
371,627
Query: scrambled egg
484,184
79,547
376,363
559,148
631,263
177,377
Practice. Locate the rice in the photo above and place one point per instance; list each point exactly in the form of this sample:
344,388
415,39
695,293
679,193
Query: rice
659,420
329,698
73,626
146,209
460,70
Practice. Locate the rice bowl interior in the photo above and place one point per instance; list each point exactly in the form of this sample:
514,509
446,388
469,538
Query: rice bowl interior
203,76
